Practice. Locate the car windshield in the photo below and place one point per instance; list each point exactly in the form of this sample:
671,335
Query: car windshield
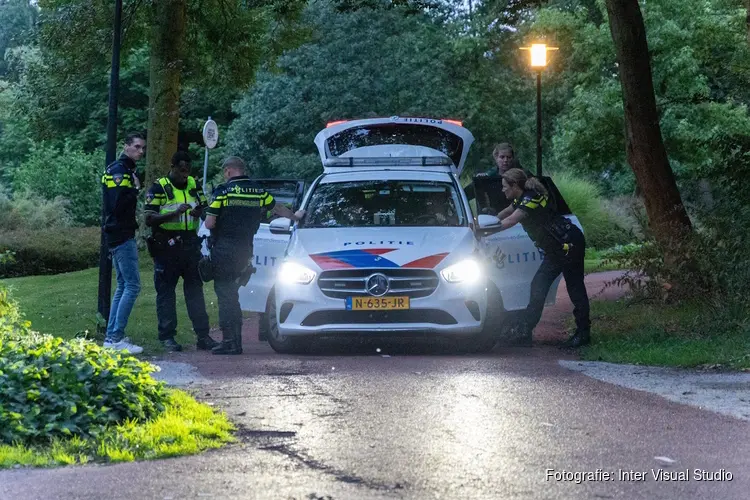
384,203
380,134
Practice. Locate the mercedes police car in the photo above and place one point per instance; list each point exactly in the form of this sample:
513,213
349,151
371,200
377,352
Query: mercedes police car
390,244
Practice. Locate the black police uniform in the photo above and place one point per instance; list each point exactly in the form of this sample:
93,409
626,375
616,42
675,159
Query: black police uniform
176,250
238,205
564,247
120,201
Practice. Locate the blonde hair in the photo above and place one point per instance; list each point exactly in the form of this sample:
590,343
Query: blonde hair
518,177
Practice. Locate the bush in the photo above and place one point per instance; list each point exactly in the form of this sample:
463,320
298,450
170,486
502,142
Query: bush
28,210
68,173
49,251
603,228
54,388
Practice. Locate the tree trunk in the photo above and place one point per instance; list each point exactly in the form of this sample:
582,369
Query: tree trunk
747,20
167,35
646,153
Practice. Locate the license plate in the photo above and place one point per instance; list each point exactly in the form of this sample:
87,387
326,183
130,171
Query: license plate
377,303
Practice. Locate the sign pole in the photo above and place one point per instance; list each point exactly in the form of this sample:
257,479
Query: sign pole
210,139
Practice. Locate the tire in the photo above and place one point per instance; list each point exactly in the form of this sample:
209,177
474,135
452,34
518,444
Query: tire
281,343
262,327
496,317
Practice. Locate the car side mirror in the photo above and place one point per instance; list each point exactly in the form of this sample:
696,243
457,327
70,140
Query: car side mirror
487,221
282,225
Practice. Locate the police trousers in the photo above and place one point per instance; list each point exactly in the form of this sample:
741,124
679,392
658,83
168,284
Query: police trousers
570,264
229,260
169,267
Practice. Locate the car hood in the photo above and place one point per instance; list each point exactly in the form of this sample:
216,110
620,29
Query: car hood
387,247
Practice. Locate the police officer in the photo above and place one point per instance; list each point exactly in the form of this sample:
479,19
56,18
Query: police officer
233,217
174,205
561,242
120,186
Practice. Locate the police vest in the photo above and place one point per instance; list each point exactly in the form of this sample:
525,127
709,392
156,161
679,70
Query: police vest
175,198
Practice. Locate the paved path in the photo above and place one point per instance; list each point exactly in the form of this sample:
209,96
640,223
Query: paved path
415,421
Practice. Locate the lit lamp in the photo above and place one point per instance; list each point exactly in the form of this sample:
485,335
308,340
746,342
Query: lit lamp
538,61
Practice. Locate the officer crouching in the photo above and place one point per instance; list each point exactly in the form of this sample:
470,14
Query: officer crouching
234,217
174,205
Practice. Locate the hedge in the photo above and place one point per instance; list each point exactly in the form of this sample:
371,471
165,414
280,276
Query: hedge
48,251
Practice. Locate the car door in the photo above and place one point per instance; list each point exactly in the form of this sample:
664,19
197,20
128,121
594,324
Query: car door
268,248
513,257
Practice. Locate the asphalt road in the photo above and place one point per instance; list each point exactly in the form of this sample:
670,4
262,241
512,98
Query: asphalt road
417,421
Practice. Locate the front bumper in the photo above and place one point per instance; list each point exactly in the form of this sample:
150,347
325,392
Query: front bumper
452,309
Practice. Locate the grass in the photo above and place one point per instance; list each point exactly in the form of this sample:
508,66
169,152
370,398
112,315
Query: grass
186,427
689,335
65,305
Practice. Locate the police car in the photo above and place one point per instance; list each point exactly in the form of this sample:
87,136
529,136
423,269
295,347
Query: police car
390,244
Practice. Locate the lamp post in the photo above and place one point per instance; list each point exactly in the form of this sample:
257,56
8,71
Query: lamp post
105,263
538,52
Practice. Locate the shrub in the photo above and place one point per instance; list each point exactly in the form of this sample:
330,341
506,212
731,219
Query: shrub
602,227
68,173
54,388
29,210
49,251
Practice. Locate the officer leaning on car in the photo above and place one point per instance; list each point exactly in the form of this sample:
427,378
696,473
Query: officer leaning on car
174,205
563,244
234,216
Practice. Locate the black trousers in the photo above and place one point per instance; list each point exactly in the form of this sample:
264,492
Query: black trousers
229,260
570,264
169,267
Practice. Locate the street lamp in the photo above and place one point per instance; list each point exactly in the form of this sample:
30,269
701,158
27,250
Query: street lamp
538,53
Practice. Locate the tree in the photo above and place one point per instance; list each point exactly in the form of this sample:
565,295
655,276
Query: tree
17,22
191,41
166,41
363,64
646,153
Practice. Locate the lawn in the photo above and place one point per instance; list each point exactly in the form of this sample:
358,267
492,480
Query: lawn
688,335
186,427
65,305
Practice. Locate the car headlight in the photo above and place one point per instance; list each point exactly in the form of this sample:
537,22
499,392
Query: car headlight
291,273
466,271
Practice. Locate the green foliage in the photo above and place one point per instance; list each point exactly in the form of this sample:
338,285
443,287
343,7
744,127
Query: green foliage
66,172
692,334
699,57
17,27
184,427
603,229
53,388
376,66
32,211
49,251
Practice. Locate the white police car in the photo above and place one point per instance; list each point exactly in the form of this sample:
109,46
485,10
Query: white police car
389,244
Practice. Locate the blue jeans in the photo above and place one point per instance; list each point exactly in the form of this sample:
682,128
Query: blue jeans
125,264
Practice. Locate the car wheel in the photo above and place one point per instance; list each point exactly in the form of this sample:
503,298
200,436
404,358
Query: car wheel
263,327
282,344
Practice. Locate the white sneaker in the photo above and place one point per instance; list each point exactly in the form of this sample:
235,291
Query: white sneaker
124,345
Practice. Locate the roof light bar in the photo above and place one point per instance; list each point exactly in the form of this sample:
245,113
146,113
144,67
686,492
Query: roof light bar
454,122
390,161
337,122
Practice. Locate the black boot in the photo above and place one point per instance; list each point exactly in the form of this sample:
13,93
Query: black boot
229,344
580,339
205,343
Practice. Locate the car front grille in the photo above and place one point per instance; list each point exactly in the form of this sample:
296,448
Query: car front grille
412,283
339,317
